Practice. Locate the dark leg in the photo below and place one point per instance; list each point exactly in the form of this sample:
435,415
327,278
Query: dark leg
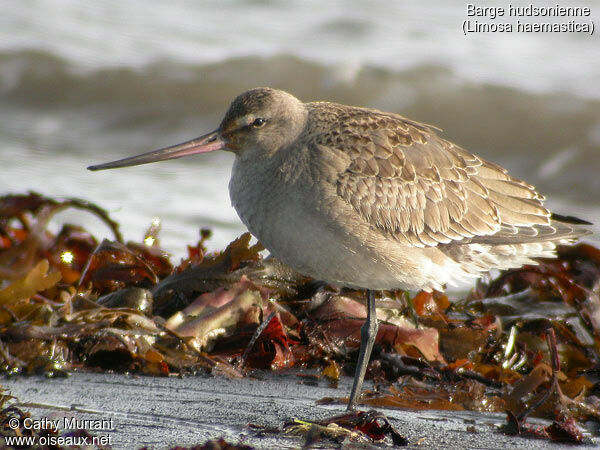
368,333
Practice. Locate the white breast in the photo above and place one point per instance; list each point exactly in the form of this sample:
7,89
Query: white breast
282,212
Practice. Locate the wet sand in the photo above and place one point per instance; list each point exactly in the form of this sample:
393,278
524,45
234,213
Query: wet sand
163,412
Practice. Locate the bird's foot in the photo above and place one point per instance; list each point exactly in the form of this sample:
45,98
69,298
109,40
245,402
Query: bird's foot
372,423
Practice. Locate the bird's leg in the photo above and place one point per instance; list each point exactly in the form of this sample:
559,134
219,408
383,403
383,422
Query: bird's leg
411,309
368,333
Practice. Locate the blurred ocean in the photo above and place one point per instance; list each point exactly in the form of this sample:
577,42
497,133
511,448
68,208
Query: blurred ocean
87,82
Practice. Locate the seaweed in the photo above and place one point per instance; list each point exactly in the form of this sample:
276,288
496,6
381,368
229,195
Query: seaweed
526,342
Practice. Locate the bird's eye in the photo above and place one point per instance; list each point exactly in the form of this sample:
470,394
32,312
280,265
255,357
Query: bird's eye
259,122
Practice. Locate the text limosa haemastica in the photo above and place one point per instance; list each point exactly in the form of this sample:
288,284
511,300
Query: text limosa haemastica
367,199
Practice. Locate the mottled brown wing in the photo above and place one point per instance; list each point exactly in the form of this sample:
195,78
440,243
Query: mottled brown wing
409,183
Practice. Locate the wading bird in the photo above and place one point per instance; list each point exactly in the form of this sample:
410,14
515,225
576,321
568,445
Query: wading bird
366,199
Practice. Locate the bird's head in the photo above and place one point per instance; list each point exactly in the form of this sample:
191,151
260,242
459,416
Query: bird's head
261,121
257,124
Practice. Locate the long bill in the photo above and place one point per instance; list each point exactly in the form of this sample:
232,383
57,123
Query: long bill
207,143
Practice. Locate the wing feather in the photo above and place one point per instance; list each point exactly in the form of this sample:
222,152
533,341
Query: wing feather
407,182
